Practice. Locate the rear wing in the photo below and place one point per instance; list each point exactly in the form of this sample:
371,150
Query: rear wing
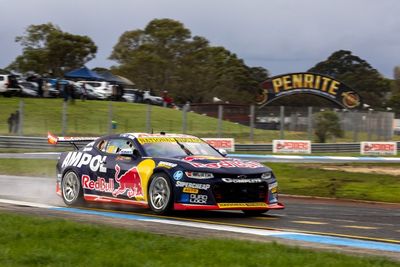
54,140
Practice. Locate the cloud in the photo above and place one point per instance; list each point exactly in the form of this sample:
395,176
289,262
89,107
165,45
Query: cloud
280,35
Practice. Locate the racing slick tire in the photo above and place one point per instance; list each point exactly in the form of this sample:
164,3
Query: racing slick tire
160,193
71,189
251,213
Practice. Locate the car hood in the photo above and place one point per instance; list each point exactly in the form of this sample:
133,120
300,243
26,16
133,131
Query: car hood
217,164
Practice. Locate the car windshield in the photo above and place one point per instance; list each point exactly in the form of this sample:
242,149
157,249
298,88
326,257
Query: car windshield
178,147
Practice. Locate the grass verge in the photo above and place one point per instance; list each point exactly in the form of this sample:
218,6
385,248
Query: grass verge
31,241
28,167
301,179
91,118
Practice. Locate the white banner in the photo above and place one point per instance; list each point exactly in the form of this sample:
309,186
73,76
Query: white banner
378,148
291,146
225,143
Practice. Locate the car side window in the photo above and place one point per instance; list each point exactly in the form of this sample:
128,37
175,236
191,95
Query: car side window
102,145
114,146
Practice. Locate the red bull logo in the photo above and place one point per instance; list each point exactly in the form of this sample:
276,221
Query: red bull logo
128,182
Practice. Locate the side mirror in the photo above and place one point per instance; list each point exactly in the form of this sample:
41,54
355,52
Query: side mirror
222,152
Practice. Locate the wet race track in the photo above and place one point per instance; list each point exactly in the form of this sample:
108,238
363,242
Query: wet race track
351,223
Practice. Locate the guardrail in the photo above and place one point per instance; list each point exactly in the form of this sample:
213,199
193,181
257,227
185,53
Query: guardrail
24,142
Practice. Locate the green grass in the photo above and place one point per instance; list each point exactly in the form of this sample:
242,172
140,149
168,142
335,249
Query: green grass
28,167
300,179
31,241
91,118
296,179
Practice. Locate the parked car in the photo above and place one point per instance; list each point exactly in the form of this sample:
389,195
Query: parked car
91,92
130,95
9,85
100,86
152,99
29,89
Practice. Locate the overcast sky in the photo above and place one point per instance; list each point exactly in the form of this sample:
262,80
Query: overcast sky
279,35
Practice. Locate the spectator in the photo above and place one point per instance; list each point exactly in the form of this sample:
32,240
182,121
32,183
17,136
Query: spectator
16,122
167,100
139,96
39,82
10,122
84,92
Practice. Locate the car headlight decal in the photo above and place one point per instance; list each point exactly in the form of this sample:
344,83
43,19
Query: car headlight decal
266,175
199,175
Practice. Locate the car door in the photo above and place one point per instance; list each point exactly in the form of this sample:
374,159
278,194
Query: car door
121,163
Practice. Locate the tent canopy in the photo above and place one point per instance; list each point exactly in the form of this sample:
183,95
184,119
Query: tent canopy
87,74
83,73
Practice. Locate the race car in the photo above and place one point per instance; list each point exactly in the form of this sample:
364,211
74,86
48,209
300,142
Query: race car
162,172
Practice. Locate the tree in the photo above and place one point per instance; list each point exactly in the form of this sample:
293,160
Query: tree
327,125
358,74
164,56
47,49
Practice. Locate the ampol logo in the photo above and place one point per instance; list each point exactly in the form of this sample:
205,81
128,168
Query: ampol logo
128,182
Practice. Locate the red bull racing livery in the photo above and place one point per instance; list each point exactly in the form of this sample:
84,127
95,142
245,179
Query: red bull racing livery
163,172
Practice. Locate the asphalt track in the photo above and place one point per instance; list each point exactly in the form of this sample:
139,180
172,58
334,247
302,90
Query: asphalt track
360,227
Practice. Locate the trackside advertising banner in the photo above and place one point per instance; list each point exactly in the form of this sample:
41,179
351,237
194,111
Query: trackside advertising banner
225,143
291,146
378,148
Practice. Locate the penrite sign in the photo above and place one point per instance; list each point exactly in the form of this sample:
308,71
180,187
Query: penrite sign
309,83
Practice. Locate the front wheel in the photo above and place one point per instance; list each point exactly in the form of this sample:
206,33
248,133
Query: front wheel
160,193
71,189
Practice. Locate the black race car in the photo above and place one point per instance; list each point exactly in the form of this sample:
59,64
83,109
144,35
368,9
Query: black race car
164,172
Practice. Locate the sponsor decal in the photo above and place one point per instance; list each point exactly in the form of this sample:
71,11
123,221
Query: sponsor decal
185,198
378,148
224,164
88,147
222,143
190,190
243,205
99,185
167,165
192,185
146,140
129,182
79,159
351,99
198,199
291,146
178,175
273,187
308,83
242,181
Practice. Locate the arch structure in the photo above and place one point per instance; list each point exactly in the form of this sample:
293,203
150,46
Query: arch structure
308,83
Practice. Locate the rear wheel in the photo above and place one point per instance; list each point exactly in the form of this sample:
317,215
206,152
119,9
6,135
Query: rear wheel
252,213
71,189
160,193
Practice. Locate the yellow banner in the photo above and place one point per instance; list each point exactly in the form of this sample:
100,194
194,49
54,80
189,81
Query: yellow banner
146,140
243,205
